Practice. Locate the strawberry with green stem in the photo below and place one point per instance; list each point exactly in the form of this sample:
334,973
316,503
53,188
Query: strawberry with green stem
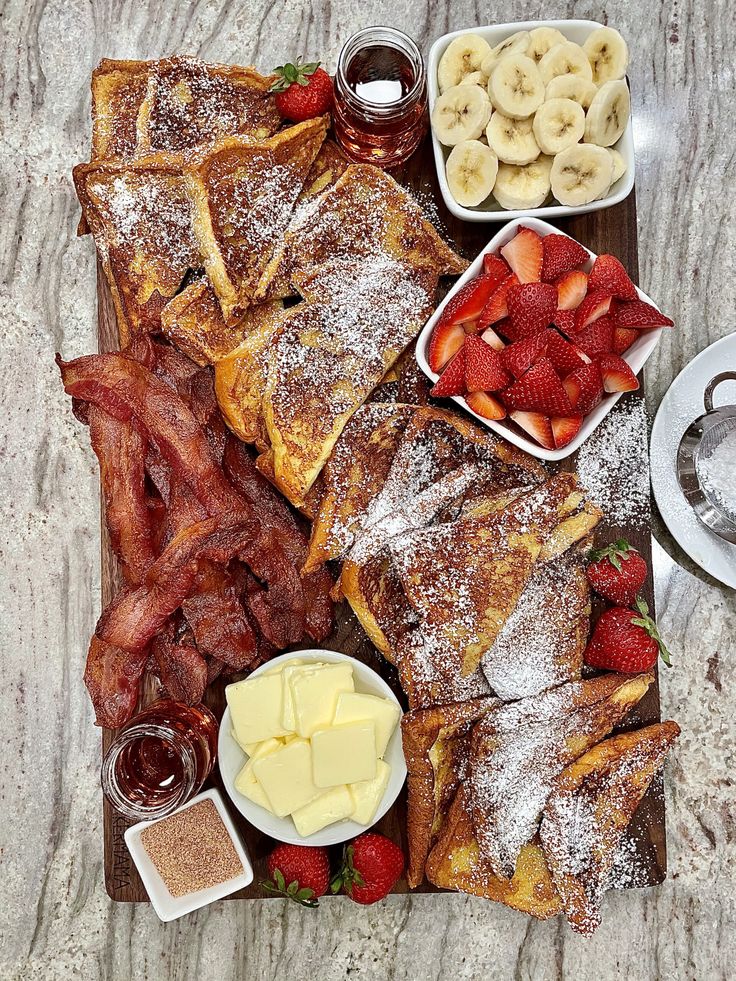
302,91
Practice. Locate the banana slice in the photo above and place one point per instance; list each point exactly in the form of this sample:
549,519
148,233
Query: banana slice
516,44
580,174
565,59
608,114
462,56
512,140
608,55
461,113
516,87
474,78
471,172
541,39
521,188
558,124
573,87
619,164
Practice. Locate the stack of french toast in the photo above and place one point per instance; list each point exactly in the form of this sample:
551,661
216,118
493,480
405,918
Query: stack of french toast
302,280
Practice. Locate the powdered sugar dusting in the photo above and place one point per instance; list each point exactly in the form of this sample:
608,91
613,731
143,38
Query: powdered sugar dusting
717,474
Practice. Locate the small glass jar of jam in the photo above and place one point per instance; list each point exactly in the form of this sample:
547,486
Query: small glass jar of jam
160,759
380,112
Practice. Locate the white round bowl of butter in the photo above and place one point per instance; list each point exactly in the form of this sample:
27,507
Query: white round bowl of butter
310,747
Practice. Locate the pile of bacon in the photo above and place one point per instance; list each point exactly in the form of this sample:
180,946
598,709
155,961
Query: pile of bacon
210,554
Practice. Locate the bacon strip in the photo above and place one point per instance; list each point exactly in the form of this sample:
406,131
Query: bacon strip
180,667
113,678
219,623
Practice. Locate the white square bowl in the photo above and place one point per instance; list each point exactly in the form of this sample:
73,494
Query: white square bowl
636,356
490,210
168,907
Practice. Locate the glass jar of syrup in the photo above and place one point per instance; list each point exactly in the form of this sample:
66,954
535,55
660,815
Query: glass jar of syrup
380,113
160,759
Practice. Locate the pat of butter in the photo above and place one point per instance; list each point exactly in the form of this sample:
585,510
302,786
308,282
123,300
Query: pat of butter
315,696
250,749
291,671
333,805
286,777
355,707
246,782
344,754
255,708
368,794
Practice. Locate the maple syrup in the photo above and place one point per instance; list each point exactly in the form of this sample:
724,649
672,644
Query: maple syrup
380,111
160,759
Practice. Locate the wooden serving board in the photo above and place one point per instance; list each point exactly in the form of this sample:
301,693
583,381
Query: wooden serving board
612,230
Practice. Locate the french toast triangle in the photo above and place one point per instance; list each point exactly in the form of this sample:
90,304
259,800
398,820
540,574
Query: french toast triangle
518,750
243,194
140,215
591,803
118,90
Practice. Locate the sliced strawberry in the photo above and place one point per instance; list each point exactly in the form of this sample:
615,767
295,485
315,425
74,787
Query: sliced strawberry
571,289
564,320
484,371
520,356
617,375
490,336
638,315
446,341
561,254
485,405
565,429
597,338
496,308
623,338
524,254
469,301
609,276
494,265
531,308
539,390
537,425
584,388
452,379
594,305
565,357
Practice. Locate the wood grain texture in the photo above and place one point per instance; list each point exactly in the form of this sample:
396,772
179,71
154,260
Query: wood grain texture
56,920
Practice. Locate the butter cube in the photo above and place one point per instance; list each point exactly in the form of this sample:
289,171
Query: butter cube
315,696
286,777
246,782
368,794
344,754
255,708
333,805
355,707
291,671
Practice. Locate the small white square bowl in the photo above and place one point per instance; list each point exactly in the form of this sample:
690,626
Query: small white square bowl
636,356
167,907
490,210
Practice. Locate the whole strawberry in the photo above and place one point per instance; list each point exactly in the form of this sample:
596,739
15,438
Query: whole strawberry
298,872
626,640
370,867
302,91
617,572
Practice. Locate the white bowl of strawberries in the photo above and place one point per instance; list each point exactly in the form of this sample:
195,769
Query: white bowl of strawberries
539,338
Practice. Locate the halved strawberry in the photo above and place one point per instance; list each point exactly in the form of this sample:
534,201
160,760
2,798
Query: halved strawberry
623,338
531,307
484,371
494,265
445,342
537,425
565,357
521,355
594,305
617,375
609,276
496,308
596,338
561,254
452,379
490,336
485,405
539,390
565,429
468,302
564,320
584,387
524,254
571,289
639,315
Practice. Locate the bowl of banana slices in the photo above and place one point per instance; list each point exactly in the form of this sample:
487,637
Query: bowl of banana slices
532,118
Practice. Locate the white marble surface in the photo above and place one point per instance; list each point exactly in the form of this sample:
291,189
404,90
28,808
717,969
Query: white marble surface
55,918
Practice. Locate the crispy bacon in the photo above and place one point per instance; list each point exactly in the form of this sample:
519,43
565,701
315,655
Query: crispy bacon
218,621
180,667
113,678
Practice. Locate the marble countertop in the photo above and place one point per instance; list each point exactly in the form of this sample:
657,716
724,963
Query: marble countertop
55,918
